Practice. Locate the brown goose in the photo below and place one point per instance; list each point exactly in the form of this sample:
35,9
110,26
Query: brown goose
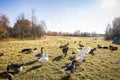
28,50
15,67
71,67
65,49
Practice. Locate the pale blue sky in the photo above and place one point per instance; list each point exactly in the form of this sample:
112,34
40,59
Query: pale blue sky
65,15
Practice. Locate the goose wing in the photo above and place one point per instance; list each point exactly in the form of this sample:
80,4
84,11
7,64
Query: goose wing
87,51
80,59
82,52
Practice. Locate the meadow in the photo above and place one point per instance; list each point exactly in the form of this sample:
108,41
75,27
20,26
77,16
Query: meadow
104,65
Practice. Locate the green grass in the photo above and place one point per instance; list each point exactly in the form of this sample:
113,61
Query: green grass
104,65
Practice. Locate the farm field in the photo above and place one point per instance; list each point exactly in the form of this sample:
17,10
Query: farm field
104,65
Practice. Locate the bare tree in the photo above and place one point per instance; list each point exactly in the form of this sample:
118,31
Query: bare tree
116,27
38,30
108,32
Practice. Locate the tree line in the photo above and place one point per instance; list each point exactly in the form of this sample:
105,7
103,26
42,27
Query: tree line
23,28
76,33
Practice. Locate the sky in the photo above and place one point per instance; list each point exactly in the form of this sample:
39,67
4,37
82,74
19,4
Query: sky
65,15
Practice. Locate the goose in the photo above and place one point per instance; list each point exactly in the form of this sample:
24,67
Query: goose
92,51
82,52
73,56
44,58
7,75
64,49
112,48
15,66
28,50
71,67
81,45
99,46
41,54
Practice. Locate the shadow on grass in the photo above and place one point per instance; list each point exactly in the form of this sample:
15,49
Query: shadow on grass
66,77
34,67
63,67
30,63
26,52
58,58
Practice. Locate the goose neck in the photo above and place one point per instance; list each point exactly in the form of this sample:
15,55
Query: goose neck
42,51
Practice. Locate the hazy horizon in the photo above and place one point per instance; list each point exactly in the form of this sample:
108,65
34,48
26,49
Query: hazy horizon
65,15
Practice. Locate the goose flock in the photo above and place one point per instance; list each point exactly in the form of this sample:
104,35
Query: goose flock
43,57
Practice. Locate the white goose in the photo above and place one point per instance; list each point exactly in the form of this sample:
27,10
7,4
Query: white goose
44,58
82,51
82,54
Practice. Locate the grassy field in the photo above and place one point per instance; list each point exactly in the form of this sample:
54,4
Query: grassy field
104,65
